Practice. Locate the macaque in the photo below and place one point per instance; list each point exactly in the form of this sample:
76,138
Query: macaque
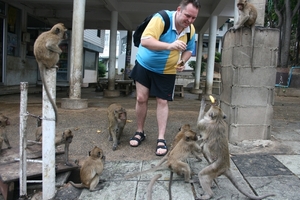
65,138
47,52
117,117
175,160
91,170
4,121
213,129
247,17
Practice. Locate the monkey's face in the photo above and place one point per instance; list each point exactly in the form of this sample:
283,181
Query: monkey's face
60,30
97,153
185,127
215,113
190,136
4,121
68,135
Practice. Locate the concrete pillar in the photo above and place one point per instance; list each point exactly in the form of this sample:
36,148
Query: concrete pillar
48,129
75,101
196,89
246,96
111,92
211,54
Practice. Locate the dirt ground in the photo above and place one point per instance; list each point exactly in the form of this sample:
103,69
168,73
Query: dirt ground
90,125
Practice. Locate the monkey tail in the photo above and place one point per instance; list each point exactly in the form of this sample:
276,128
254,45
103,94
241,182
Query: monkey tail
156,168
77,185
43,74
252,46
229,175
150,186
170,185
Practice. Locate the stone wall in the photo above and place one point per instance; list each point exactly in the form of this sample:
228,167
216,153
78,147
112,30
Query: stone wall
246,96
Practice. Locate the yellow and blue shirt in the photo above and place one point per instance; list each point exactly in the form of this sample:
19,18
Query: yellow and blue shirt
164,61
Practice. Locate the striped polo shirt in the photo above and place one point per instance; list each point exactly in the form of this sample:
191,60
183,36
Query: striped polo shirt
164,61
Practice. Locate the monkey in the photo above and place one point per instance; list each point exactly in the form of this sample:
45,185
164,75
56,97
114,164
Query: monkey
178,137
91,170
117,117
247,17
47,52
65,138
213,129
150,186
4,121
175,160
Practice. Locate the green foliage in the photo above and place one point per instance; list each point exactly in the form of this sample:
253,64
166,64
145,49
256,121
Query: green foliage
192,64
218,57
101,69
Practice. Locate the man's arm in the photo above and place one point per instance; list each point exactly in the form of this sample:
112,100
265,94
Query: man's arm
154,44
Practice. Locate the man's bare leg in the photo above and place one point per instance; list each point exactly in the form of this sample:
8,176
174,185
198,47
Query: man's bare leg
162,111
141,107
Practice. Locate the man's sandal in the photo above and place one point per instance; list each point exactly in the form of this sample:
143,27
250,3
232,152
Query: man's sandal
161,147
141,134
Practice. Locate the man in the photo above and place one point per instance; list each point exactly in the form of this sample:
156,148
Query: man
158,59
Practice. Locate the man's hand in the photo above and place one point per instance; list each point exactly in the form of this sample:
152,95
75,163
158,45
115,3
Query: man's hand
180,66
178,45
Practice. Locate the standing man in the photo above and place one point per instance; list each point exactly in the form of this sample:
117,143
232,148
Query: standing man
158,59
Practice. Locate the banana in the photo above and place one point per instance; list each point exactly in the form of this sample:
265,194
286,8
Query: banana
212,99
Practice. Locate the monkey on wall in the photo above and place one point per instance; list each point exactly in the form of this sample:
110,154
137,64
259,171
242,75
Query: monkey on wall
91,170
247,18
47,52
117,117
4,121
213,129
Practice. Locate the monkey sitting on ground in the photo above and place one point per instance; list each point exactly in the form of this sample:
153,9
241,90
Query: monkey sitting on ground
247,17
4,121
213,129
65,138
117,117
91,170
47,52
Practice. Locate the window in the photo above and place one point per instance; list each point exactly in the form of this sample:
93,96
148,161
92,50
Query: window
13,31
90,60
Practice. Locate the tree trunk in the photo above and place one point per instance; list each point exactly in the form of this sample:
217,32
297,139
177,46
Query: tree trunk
286,35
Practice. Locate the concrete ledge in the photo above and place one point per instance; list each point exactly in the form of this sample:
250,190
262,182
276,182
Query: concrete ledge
111,93
74,104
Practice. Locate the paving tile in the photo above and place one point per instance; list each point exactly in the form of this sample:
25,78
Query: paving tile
117,190
260,165
292,162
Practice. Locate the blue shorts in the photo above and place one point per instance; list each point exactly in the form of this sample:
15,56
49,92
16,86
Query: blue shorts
159,85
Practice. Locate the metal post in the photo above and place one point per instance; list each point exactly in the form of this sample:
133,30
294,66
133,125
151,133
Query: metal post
48,125
23,139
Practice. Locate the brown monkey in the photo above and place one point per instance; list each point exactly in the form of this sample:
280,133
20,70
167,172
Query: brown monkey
4,121
65,138
47,52
247,17
178,137
213,129
175,160
91,170
179,153
117,117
